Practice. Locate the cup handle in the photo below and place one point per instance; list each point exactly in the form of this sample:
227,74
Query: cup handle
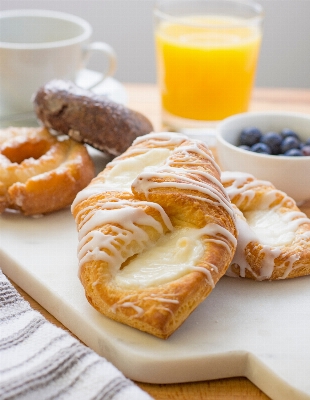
109,52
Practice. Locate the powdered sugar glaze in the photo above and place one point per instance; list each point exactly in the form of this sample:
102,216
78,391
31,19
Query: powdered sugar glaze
266,226
95,245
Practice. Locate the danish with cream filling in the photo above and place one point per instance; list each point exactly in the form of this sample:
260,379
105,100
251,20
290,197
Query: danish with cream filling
156,232
274,235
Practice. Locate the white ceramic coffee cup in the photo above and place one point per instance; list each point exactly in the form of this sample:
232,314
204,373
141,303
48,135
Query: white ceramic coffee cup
39,45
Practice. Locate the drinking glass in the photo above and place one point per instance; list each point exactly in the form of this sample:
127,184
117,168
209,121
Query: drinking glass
207,53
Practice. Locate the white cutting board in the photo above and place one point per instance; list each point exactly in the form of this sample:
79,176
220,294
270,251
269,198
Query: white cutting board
260,330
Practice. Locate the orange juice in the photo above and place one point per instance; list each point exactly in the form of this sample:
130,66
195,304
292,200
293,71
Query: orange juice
206,66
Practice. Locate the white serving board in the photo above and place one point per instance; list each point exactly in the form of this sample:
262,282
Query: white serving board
260,330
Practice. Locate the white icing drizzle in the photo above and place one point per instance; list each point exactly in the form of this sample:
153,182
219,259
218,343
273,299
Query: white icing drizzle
188,177
95,245
89,191
305,236
207,273
215,230
163,140
125,170
128,304
159,139
126,218
125,303
244,185
165,309
165,299
270,228
213,268
122,173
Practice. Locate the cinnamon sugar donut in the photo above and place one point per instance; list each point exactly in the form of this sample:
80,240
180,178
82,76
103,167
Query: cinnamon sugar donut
40,173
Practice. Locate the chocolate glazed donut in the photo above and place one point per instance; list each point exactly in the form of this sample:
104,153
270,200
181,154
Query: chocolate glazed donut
88,117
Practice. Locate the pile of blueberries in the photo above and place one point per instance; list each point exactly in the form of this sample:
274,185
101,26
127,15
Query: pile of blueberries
287,142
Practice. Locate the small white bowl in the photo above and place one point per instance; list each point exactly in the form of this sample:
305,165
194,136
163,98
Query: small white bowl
289,174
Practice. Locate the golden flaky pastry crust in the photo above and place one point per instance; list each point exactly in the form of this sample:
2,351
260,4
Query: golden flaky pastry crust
274,235
40,173
178,195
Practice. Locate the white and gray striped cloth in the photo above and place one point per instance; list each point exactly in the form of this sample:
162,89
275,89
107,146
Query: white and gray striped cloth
40,361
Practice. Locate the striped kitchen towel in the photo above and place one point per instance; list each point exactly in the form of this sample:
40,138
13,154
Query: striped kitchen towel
40,361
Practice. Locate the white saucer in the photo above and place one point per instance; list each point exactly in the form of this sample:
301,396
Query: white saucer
110,87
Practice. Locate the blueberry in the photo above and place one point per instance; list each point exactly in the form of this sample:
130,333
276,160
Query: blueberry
305,150
293,153
307,142
244,147
286,132
288,143
273,140
261,148
250,136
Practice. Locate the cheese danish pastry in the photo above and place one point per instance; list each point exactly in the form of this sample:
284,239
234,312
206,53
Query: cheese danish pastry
274,235
155,239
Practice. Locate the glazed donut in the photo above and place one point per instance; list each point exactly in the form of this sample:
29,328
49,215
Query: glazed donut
274,235
156,232
40,173
89,118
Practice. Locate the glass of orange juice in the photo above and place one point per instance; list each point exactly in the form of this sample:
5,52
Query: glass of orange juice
207,53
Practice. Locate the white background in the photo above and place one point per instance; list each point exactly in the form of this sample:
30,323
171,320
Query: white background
127,26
